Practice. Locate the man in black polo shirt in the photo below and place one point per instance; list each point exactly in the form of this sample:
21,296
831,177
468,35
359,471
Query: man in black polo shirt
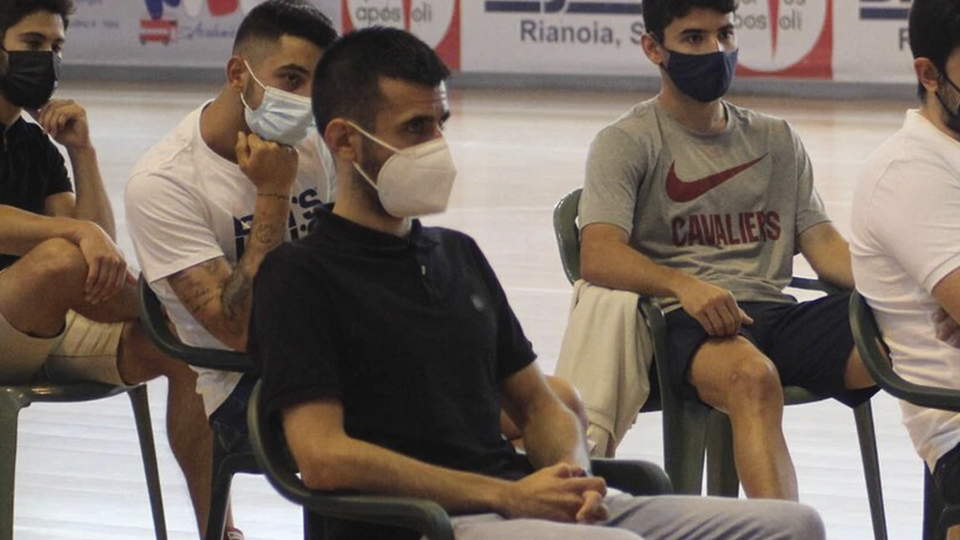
68,310
385,344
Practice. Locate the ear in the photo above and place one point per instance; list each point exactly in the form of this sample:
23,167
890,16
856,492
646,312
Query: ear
237,73
343,140
928,74
652,48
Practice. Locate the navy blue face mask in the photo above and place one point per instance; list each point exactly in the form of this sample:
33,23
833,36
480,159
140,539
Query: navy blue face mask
704,77
952,114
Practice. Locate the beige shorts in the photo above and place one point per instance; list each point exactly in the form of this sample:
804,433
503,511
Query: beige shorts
84,351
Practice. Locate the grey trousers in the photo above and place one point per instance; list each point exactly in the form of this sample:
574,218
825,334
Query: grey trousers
660,518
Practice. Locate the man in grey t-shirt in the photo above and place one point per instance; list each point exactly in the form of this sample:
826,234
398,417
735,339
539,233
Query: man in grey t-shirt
703,205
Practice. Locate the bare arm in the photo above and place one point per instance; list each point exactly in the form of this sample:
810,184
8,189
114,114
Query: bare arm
219,297
21,231
606,259
329,459
551,432
828,254
66,122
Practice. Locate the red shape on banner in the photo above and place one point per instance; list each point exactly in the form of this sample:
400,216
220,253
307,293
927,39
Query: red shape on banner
817,64
449,47
219,8
774,28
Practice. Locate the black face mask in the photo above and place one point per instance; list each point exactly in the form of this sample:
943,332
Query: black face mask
30,78
951,114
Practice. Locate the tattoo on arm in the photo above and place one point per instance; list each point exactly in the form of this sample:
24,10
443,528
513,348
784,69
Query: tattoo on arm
268,233
236,295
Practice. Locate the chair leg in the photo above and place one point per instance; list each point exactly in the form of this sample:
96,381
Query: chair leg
933,507
148,452
871,468
10,405
722,478
948,518
219,494
684,439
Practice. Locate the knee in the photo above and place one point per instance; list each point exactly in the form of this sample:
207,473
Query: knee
570,397
58,261
803,523
754,380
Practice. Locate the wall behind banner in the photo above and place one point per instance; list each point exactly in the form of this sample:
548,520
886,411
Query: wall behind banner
852,41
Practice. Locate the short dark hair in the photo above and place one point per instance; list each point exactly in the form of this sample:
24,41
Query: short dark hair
658,14
15,11
934,32
274,19
347,80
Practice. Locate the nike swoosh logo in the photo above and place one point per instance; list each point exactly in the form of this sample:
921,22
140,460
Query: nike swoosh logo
682,192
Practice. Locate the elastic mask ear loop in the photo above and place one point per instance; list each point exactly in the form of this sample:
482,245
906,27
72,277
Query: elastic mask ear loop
256,80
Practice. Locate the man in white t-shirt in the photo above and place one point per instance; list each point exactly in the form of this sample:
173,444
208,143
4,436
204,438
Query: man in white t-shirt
906,236
237,177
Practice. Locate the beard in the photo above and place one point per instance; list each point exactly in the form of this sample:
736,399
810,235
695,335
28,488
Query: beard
950,115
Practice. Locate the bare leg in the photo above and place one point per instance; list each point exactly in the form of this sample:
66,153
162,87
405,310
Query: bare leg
567,394
953,533
37,291
189,434
733,376
856,375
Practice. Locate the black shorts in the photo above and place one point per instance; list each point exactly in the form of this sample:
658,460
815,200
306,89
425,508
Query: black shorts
809,343
229,421
947,476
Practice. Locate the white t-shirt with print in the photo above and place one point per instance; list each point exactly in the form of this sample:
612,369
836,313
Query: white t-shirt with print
906,238
185,205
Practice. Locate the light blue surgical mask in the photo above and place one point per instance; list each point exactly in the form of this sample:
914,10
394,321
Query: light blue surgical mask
282,117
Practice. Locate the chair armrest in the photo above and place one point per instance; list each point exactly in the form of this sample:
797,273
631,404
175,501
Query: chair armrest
638,478
812,284
872,350
270,449
155,324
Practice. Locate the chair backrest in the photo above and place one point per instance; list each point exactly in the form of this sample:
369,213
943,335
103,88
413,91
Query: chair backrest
568,233
157,327
270,448
875,357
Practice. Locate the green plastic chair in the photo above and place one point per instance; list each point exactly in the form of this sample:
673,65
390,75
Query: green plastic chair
225,464
426,517
13,399
692,430
937,517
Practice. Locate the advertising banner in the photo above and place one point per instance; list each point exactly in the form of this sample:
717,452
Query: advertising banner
178,33
841,40
874,44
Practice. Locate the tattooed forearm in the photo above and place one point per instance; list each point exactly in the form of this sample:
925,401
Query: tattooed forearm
236,296
268,233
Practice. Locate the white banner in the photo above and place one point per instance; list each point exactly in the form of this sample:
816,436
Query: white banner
187,33
874,44
842,40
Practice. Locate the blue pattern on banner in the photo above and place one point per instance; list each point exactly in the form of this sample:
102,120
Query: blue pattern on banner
884,14
592,7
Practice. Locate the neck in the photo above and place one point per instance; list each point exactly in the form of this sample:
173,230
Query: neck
933,111
8,112
358,204
707,118
221,121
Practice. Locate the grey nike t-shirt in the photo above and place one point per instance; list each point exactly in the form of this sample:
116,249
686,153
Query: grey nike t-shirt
726,208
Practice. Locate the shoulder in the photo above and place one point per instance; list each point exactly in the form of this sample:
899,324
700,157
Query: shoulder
637,124
749,119
168,163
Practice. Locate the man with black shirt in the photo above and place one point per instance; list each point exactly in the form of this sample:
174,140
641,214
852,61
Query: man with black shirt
68,310
385,345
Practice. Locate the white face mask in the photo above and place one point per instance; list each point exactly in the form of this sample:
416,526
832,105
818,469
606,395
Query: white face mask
282,117
415,181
